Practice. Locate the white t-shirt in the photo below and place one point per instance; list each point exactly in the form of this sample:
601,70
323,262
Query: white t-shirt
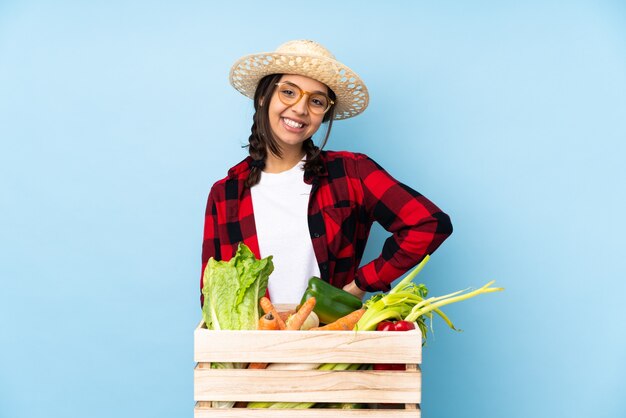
280,202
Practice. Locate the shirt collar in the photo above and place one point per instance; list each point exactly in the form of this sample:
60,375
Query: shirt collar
242,169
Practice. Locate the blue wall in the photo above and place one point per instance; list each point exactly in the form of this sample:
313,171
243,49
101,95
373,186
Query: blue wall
116,118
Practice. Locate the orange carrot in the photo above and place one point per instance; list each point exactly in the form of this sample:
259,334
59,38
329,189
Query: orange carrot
268,322
267,307
345,323
257,365
297,319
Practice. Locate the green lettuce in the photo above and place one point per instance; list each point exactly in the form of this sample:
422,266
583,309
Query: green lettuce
232,290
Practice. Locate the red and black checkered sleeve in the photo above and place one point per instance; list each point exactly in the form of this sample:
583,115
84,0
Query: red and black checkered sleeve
210,239
417,225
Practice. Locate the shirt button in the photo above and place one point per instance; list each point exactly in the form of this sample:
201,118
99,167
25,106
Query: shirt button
324,267
316,235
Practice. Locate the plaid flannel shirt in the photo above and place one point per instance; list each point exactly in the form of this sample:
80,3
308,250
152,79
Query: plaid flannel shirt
351,193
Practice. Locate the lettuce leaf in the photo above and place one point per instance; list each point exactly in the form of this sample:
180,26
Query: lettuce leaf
232,290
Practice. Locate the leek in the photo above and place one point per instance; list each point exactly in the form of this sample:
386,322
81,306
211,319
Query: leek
409,302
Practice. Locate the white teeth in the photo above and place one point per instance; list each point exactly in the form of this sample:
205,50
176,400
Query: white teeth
292,123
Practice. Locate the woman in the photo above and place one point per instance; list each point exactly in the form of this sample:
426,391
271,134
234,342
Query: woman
311,209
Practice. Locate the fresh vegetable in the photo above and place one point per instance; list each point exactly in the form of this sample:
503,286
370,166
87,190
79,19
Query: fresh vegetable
268,322
232,290
331,302
231,296
393,326
345,406
345,323
432,304
258,366
296,320
293,366
408,301
268,307
312,321
395,304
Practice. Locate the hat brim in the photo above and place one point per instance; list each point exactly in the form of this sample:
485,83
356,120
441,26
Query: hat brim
352,94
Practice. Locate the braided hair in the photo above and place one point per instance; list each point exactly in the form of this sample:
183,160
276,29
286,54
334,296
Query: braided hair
262,140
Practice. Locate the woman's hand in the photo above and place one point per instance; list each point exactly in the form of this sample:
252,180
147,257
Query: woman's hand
352,288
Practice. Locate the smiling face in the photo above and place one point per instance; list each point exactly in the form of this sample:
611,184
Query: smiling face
293,124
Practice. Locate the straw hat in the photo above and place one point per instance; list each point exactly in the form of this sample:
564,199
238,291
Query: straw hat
309,59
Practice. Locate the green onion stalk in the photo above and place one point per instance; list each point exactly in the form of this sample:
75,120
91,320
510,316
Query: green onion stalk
408,301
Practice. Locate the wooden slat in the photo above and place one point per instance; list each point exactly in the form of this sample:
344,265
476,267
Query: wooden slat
306,413
307,346
361,386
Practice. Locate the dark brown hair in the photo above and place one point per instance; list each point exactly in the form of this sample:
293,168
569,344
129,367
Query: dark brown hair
262,140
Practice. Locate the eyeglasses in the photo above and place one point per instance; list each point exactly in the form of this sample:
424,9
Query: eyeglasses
290,94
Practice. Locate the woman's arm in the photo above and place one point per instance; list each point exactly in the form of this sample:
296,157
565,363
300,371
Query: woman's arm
417,225
210,240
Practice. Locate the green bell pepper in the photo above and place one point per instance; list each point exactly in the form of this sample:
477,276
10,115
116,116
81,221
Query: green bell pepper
331,303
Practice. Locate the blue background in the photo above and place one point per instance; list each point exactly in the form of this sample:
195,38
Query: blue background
116,117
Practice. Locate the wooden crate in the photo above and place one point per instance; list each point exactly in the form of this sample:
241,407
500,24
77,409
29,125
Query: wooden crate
402,388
